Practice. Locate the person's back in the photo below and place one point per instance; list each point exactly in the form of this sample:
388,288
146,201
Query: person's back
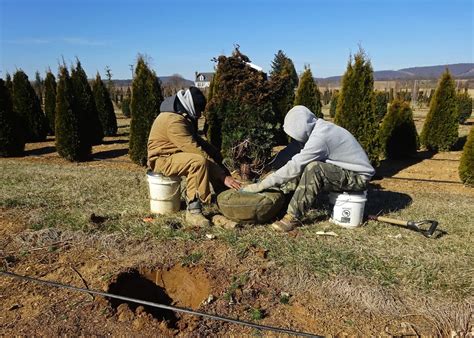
329,158
174,149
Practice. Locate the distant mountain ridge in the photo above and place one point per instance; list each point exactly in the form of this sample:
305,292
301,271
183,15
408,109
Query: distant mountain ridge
458,70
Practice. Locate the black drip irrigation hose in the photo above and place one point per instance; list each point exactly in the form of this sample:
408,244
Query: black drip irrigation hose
157,305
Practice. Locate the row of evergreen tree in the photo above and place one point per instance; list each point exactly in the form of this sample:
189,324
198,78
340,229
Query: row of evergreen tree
246,110
77,114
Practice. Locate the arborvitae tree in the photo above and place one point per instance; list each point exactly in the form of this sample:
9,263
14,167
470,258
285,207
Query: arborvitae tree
326,97
381,101
12,142
146,100
308,94
50,100
90,127
126,103
356,107
282,84
332,108
70,142
105,108
241,120
27,105
466,166
440,131
464,103
397,134
39,86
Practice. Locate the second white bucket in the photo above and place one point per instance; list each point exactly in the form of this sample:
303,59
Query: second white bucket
348,210
165,193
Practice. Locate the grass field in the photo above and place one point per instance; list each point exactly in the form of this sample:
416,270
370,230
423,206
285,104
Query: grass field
389,264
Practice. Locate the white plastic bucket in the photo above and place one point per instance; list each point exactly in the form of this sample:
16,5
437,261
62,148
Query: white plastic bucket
348,210
164,193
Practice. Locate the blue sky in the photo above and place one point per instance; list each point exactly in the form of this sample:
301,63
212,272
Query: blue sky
183,36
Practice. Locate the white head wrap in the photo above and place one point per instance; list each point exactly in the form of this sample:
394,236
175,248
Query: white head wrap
186,100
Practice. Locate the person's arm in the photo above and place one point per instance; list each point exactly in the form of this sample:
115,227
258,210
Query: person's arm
182,137
314,150
210,149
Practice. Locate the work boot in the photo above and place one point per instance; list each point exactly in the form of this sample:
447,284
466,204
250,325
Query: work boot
194,216
287,223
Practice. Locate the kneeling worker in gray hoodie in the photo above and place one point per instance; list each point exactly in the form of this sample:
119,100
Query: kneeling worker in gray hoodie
324,156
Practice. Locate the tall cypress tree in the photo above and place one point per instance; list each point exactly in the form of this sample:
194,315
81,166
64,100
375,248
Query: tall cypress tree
356,106
89,123
105,108
27,105
12,142
440,131
146,100
241,120
332,108
70,142
50,100
381,102
308,94
397,134
283,81
466,166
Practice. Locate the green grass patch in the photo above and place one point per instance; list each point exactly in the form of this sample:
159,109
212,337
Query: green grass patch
64,196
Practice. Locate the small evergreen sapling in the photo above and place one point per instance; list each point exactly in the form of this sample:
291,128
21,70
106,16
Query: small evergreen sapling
440,131
308,94
70,142
27,105
89,123
464,104
105,108
50,100
397,134
466,166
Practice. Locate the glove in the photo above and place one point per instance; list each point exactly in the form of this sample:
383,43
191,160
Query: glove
252,188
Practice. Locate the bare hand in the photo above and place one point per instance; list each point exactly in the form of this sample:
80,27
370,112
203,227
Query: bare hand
232,183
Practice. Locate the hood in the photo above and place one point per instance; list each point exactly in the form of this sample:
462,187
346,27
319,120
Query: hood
299,123
168,105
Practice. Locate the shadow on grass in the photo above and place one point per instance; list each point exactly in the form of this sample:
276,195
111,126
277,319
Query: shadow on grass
40,151
391,167
114,142
459,145
101,155
380,202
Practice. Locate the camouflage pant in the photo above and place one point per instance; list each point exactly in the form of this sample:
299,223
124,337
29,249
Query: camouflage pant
318,177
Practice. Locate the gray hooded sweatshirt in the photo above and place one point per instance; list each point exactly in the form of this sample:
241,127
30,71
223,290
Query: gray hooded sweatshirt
323,141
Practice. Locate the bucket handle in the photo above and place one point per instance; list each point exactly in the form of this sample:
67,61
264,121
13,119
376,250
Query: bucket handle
170,197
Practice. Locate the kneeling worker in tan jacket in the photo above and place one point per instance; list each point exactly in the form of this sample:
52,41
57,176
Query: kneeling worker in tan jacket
174,148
